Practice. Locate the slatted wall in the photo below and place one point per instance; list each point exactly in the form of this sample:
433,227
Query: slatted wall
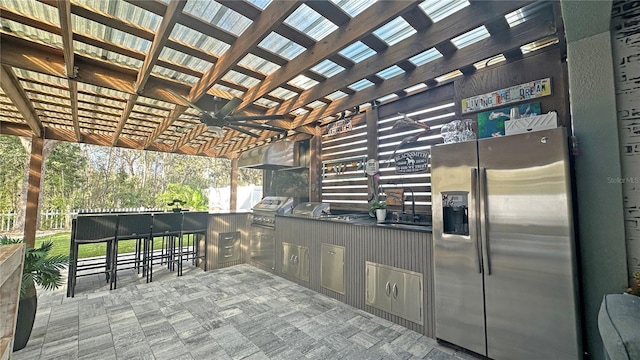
435,115
344,183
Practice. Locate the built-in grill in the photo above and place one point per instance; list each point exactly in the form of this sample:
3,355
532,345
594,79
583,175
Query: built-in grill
312,210
262,243
264,213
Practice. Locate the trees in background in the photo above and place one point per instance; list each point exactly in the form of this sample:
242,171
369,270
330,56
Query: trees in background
14,158
94,177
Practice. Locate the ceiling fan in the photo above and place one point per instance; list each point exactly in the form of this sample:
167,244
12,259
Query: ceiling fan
222,118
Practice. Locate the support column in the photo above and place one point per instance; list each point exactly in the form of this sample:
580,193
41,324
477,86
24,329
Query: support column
233,201
315,167
33,190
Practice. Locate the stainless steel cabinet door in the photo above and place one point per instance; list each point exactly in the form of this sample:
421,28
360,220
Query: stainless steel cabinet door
529,263
412,297
262,246
378,287
289,252
302,263
332,267
295,261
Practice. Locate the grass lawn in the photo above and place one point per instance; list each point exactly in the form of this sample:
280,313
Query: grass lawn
61,245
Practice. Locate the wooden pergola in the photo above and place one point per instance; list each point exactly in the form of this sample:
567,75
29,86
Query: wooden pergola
122,72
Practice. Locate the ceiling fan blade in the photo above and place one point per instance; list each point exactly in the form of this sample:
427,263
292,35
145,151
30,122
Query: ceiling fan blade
186,101
228,108
256,117
259,127
236,128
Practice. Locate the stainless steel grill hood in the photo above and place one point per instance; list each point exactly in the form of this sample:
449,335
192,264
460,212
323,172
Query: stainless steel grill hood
275,156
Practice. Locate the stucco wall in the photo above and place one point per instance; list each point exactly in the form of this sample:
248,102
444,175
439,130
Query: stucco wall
625,37
594,115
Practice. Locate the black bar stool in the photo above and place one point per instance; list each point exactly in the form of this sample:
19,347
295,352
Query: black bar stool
91,229
195,224
131,227
167,226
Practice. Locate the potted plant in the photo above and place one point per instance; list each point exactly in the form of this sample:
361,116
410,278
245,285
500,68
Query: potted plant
380,208
38,269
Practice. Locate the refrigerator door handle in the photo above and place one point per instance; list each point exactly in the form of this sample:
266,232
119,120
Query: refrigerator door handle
484,221
474,187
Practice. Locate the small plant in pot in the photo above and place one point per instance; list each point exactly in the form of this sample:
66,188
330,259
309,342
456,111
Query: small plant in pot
38,269
380,209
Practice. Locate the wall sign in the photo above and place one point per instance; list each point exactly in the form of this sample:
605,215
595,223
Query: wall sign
411,162
531,90
340,126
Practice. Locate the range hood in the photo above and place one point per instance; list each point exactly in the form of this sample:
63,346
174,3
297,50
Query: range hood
275,156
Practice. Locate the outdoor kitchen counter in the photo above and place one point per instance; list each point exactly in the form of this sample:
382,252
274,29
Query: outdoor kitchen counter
363,241
358,221
221,225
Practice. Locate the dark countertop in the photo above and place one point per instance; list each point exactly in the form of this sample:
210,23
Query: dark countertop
228,212
367,221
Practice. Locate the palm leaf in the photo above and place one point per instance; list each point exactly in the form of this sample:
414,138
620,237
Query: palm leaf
38,267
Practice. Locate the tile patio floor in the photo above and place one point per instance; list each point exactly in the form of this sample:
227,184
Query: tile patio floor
239,312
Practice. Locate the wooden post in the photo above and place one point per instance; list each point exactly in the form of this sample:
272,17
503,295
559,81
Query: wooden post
233,201
35,172
315,167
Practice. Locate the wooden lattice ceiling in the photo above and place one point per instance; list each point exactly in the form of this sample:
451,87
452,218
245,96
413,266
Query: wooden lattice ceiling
106,72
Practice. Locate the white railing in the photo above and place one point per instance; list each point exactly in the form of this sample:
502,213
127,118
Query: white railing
61,220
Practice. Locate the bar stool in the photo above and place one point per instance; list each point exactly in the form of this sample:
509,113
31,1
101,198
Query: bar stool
195,224
131,227
167,226
91,229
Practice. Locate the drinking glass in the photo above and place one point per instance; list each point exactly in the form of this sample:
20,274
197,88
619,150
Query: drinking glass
445,131
456,131
467,133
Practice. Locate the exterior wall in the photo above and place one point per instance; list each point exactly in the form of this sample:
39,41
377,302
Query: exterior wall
625,24
593,110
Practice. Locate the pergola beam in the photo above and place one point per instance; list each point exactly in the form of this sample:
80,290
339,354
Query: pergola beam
29,55
173,115
524,33
460,22
11,86
60,134
268,20
527,32
66,32
73,100
357,28
159,41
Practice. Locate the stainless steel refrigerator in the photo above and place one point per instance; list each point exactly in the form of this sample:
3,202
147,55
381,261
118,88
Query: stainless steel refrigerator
504,252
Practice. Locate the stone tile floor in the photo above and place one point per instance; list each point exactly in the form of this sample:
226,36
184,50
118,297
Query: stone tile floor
239,312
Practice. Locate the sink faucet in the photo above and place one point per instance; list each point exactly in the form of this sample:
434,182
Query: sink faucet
413,203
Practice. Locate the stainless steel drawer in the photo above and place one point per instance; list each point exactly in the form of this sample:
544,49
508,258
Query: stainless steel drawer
228,247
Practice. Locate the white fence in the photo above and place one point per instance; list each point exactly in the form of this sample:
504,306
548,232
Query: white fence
60,220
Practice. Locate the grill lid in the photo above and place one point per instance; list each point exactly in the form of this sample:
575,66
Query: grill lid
280,205
311,209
